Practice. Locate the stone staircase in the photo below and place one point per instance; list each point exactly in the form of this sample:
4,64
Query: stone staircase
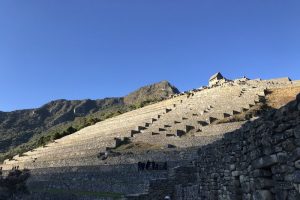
198,112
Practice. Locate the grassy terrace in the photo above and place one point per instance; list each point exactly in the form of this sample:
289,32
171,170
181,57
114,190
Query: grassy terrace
69,128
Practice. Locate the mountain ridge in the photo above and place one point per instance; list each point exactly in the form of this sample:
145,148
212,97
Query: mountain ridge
19,126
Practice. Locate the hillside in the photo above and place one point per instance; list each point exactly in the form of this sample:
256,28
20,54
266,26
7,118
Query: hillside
19,127
159,149
258,161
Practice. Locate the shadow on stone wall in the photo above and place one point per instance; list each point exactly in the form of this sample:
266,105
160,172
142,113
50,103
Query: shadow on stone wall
13,186
259,161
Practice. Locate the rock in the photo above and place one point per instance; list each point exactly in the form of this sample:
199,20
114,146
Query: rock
236,173
297,164
288,145
295,155
297,142
297,131
261,173
232,167
296,176
264,183
293,195
246,187
297,187
298,98
282,128
266,161
281,194
262,195
282,157
277,169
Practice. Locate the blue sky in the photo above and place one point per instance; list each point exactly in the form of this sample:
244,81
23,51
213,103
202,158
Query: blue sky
71,49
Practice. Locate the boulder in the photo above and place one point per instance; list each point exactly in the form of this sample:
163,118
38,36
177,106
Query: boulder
296,176
297,164
266,161
262,195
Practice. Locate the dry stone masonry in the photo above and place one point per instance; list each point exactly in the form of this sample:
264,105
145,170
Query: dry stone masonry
256,160
259,161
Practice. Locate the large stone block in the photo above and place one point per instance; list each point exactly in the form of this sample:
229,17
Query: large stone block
289,145
281,194
261,173
264,162
262,195
277,169
246,187
295,155
297,164
264,183
293,195
297,131
282,157
296,176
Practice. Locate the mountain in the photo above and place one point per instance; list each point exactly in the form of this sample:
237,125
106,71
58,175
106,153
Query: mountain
20,126
154,92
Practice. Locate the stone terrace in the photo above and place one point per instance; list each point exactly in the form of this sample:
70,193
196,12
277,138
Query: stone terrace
176,127
260,161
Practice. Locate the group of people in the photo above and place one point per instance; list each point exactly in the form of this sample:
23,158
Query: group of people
151,165
15,168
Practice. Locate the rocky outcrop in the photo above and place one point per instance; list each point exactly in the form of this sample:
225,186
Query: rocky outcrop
157,91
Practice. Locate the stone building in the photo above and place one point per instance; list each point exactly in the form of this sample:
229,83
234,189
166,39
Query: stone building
216,79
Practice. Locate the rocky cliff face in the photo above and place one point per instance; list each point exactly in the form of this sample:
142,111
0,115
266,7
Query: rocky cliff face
19,126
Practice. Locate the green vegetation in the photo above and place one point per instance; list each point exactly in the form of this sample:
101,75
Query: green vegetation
68,128
24,130
143,103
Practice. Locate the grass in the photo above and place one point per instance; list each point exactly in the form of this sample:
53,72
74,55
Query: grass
69,128
275,98
279,97
254,111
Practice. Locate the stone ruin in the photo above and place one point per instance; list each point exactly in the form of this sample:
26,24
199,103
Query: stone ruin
259,161
206,158
216,80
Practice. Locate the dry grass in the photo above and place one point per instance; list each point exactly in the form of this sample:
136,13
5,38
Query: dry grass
277,98
243,116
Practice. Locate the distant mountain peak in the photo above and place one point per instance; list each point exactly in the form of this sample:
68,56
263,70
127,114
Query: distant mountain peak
157,91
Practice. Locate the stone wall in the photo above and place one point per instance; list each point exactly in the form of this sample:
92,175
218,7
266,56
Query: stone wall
260,161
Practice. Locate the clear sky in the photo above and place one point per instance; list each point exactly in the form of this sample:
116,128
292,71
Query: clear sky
71,49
